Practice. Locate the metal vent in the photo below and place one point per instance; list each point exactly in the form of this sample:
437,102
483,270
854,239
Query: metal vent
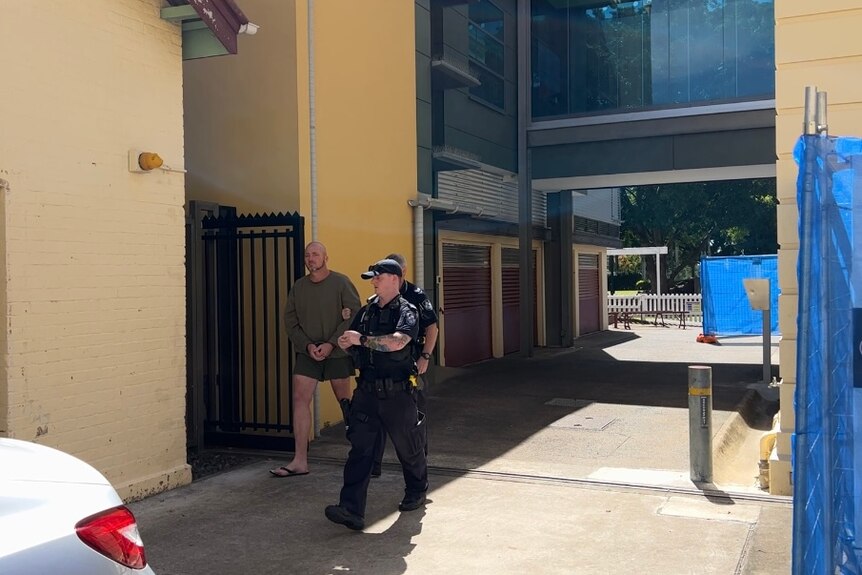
497,194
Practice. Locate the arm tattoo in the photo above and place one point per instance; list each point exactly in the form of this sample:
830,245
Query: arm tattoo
390,342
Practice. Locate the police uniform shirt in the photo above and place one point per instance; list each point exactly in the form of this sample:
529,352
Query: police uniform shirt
398,315
415,295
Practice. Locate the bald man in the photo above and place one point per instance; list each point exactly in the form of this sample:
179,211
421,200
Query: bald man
319,309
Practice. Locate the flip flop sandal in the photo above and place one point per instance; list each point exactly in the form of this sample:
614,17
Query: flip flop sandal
287,472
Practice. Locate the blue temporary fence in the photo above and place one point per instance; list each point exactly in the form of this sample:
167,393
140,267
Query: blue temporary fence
826,460
726,310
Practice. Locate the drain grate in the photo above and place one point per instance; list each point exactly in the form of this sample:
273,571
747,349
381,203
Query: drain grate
584,422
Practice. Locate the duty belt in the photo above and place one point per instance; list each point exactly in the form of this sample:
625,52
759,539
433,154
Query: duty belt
381,386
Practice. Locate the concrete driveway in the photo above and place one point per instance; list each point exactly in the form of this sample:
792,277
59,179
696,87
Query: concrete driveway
572,461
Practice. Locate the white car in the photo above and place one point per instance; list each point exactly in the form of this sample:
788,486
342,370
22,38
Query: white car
58,515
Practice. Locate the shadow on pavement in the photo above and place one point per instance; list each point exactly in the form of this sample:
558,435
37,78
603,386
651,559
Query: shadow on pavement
560,418
567,413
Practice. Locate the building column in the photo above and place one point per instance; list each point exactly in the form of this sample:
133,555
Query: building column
559,274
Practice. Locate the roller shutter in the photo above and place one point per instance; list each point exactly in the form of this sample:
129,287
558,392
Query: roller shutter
588,293
512,298
466,303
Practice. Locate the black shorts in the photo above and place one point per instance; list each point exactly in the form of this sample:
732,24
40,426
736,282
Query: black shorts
326,370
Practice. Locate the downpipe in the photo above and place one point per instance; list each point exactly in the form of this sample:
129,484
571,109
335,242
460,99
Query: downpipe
312,154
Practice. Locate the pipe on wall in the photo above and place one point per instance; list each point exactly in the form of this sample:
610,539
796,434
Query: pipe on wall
450,207
312,155
419,246
425,202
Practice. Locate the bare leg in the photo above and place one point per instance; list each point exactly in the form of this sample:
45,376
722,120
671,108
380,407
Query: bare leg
341,388
303,389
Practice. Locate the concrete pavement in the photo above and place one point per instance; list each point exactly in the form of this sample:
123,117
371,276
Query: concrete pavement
573,461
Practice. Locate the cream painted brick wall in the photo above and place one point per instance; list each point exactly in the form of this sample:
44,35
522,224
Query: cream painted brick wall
826,60
4,374
787,9
94,254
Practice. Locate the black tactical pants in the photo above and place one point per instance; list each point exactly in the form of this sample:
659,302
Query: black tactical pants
372,416
380,448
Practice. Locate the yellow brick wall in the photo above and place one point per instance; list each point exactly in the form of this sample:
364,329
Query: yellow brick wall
4,373
94,255
814,46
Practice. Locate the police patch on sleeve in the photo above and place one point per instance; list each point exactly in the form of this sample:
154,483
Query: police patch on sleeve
409,318
426,305
408,321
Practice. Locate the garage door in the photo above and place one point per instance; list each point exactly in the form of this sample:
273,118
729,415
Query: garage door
588,293
512,298
466,303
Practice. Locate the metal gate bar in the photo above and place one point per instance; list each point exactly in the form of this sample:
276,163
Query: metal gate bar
236,284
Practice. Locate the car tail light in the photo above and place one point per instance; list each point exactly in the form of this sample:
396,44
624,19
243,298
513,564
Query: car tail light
114,534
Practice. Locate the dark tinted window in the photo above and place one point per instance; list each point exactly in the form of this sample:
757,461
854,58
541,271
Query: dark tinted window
485,27
609,56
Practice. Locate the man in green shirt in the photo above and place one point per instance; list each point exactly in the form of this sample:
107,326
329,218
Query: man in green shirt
319,309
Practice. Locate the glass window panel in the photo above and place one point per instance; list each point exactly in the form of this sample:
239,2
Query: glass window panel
491,88
609,55
486,50
755,45
487,17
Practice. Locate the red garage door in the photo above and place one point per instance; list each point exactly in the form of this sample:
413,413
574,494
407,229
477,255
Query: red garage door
466,303
512,298
588,293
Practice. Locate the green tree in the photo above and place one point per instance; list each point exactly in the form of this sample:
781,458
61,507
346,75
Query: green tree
708,218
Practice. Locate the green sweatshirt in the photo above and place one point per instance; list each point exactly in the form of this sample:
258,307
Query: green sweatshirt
313,312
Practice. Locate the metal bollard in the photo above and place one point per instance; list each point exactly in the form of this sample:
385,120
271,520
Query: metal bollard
700,422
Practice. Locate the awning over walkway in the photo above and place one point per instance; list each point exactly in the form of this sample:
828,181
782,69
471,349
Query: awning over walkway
210,27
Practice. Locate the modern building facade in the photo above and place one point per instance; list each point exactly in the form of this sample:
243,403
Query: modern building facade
646,92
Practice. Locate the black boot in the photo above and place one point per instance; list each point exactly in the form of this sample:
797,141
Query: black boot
340,515
345,412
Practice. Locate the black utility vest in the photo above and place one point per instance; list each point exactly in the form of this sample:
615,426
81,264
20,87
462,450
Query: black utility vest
374,365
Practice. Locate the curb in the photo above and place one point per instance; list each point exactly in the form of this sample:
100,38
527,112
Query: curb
734,427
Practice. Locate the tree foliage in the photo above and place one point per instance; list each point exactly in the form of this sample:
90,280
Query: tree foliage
708,218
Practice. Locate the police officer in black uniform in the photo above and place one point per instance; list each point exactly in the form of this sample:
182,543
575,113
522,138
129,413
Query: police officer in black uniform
384,400
423,346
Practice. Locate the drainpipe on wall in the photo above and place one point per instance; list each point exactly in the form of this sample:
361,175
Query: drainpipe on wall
418,246
450,207
425,202
312,155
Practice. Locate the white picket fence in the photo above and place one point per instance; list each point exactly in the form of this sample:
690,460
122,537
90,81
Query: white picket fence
648,304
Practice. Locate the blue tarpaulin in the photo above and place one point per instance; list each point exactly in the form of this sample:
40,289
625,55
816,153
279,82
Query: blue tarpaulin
726,310
826,460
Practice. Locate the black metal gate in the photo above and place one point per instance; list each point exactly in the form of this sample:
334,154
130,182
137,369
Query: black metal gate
239,271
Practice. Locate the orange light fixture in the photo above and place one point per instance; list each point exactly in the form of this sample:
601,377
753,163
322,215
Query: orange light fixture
149,161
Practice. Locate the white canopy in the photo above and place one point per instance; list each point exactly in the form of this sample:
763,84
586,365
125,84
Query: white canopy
653,251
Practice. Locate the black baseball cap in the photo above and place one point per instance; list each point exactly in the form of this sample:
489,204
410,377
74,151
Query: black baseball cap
382,267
